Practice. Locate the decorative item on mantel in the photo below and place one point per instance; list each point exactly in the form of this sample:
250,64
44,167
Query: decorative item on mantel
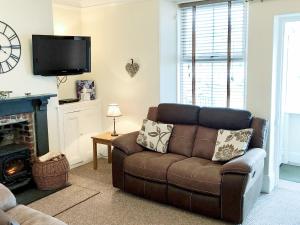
86,90
114,111
132,68
5,94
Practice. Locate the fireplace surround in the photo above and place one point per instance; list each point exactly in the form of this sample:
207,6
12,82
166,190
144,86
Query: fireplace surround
23,136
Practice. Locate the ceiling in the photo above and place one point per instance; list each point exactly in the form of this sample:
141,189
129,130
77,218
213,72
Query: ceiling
89,3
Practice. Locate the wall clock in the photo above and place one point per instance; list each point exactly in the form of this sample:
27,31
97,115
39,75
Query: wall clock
10,48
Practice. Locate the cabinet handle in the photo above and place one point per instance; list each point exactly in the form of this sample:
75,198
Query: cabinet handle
74,111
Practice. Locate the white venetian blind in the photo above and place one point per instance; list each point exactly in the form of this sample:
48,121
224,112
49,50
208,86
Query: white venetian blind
204,34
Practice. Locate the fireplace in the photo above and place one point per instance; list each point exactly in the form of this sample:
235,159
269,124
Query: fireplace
23,137
15,165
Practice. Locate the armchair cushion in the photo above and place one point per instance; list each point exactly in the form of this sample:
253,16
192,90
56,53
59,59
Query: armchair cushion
6,219
27,216
127,143
7,199
244,164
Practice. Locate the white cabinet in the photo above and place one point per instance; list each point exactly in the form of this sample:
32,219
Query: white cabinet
77,123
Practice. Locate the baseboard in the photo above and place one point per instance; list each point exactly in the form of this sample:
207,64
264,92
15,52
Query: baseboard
268,183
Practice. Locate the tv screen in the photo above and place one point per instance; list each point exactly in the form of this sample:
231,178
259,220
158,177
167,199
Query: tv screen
61,55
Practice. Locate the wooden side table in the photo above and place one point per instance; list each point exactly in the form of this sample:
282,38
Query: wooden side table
104,139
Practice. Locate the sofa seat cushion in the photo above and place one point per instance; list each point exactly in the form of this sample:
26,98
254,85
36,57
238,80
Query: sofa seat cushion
196,174
150,165
27,216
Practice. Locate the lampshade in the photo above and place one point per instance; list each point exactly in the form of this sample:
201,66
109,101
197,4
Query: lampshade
113,110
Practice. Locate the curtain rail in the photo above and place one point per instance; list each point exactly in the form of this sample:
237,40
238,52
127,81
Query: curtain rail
207,2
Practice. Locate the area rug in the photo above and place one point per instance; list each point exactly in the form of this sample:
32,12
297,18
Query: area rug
63,200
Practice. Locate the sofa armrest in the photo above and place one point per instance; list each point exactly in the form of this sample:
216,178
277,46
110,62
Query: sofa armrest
244,164
7,199
241,185
127,143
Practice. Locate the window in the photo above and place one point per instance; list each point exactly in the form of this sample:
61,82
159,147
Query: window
212,53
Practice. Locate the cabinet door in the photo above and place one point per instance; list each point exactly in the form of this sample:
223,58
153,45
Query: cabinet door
90,125
72,137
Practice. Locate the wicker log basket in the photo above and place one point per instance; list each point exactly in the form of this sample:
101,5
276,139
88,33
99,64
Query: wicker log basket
51,174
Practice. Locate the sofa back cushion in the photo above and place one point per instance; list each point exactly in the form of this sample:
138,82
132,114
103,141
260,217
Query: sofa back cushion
178,114
182,139
205,142
152,114
224,118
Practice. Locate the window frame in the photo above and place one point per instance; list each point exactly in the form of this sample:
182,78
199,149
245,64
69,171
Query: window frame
230,57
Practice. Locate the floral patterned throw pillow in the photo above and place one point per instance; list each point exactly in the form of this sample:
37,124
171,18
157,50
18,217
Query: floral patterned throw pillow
155,136
231,144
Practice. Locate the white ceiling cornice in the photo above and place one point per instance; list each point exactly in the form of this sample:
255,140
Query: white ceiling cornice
91,3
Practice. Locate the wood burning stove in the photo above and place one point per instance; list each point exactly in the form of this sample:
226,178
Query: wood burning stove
15,165
23,136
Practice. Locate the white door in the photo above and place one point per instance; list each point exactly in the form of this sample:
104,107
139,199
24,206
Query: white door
72,137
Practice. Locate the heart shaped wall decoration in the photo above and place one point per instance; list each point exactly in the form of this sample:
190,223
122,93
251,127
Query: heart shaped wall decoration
132,68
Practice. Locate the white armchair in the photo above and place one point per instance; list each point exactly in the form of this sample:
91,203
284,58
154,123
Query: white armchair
20,214
7,199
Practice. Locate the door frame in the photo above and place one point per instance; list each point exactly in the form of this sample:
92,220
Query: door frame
277,87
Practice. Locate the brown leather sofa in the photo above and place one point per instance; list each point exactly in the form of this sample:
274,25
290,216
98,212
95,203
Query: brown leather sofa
186,177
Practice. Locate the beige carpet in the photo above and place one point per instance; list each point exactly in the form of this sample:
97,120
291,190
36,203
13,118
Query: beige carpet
114,207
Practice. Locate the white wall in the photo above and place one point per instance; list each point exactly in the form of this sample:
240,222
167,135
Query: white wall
139,30
260,65
27,18
67,21
168,51
121,32
145,31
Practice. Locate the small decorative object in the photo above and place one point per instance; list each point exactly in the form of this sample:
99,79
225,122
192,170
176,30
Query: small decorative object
10,48
132,68
90,90
51,174
114,111
85,94
27,94
5,94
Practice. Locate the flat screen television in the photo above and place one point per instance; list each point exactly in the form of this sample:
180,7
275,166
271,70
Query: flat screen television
61,55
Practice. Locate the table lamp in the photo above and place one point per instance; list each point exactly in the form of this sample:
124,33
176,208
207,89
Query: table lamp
114,111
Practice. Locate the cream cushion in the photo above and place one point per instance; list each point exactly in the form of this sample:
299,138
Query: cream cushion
155,136
27,216
231,144
5,219
7,199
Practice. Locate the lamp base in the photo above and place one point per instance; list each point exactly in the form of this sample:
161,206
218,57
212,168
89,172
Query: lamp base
114,135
